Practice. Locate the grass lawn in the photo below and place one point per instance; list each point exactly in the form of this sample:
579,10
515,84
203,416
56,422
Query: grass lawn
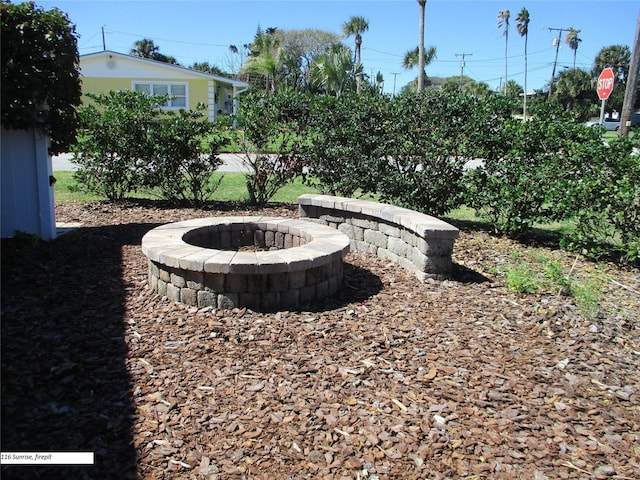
232,188
612,135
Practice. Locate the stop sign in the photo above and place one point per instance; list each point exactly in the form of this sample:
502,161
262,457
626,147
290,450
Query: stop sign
605,83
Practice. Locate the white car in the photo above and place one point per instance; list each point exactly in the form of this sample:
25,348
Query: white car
608,124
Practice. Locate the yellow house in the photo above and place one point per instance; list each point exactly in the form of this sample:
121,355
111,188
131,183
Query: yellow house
107,70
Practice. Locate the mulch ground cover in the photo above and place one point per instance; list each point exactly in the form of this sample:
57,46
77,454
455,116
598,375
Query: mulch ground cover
391,379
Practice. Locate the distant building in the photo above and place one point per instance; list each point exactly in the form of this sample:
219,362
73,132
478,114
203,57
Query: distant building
107,70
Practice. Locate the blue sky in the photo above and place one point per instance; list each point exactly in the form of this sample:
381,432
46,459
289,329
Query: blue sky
197,31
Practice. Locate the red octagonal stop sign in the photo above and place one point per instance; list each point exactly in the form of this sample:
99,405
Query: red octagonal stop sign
605,83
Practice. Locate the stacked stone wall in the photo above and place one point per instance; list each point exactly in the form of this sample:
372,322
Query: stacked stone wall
420,243
261,263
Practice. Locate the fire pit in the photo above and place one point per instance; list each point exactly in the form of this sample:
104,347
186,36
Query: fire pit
255,262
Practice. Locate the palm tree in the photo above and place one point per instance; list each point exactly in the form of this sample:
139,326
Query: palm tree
333,70
512,89
208,68
573,87
522,26
573,41
421,56
617,57
477,89
265,56
356,26
412,59
504,16
145,48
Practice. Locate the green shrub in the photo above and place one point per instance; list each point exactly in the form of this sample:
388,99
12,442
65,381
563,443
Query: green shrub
116,140
273,125
429,139
185,158
604,199
409,149
347,142
127,142
40,72
525,171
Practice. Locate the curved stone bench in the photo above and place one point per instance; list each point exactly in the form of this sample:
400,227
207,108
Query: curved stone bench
420,243
263,263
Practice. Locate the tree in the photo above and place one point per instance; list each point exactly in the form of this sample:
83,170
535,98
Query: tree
40,72
573,41
477,89
286,57
334,72
617,57
573,89
207,68
411,59
265,56
504,16
377,83
512,89
421,55
523,29
456,84
631,91
356,26
300,48
235,64
146,48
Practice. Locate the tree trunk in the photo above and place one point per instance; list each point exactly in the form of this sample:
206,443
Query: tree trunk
422,4
506,54
631,91
359,74
524,109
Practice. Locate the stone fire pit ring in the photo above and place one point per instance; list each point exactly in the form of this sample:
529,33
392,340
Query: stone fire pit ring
262,263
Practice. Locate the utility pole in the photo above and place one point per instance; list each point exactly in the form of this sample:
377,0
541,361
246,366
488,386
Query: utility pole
394,82
104,44
555,61
462,65
630,92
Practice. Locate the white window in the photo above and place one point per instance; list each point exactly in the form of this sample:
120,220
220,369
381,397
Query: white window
177,92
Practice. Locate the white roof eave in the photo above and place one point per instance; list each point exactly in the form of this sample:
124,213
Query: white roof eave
234,83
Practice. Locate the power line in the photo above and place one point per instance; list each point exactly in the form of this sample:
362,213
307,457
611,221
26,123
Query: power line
384,53
478,60
170,40
82,45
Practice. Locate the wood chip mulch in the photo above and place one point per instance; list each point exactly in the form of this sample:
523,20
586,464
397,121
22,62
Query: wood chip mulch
392,379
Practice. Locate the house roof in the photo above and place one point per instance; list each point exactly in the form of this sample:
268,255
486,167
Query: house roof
155,64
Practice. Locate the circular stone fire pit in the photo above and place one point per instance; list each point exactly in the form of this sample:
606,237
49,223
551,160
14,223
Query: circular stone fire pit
256,262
